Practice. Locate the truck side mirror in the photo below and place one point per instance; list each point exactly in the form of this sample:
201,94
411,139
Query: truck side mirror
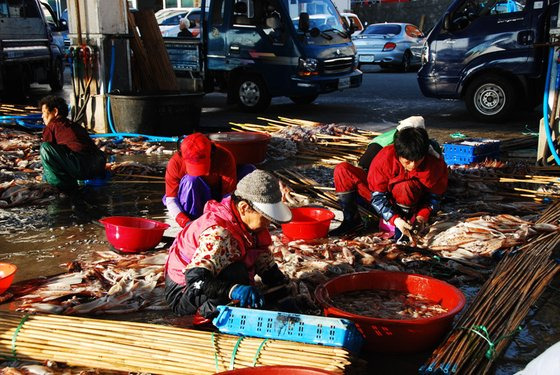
303,23
446,21
63,25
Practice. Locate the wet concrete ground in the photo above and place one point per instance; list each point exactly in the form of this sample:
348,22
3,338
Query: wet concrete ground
40,239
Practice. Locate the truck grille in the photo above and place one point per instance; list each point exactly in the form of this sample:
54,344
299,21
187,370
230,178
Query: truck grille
338,65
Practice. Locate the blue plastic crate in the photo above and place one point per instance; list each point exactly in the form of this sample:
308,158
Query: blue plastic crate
467,159
277,325
472,147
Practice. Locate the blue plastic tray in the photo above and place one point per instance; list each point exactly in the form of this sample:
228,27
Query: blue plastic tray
472,147
308,329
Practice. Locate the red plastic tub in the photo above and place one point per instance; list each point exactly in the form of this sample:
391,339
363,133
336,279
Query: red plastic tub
387,335
133,234
7,274
277,370
308,223
247,147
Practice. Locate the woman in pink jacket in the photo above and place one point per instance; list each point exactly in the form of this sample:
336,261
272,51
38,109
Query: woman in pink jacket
214,260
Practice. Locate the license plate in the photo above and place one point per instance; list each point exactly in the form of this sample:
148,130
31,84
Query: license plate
344,83
367,58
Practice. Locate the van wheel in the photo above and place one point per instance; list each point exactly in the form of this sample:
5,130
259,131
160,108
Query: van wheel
56,76
406,61
308,99
490,98
252,94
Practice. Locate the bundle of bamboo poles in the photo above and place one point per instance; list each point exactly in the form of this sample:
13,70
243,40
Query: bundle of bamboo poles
499,308
156,349
327,149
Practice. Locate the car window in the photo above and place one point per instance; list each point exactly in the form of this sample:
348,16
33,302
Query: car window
19,8
413,31
382,29
174,20
508,6
194,17
357,23
470,10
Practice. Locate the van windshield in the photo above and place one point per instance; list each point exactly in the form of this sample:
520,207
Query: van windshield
322,15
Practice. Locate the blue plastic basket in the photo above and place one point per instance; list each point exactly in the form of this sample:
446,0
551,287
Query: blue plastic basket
471,150
277,325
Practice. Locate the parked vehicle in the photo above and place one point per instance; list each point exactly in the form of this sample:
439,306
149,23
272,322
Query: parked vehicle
352,19
169,18
193,17
28,53
483,52
256,50
388,45
58,27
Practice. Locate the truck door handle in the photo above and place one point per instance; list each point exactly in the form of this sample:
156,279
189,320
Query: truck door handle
234,48
449,41
526,37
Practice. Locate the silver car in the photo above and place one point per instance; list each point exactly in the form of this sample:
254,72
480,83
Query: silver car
388,45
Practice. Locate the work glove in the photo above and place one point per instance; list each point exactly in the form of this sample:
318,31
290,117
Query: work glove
182,219
404,226
248,296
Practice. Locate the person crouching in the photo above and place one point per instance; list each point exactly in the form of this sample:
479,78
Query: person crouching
214,260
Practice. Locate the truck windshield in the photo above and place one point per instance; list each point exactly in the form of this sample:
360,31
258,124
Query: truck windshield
322,14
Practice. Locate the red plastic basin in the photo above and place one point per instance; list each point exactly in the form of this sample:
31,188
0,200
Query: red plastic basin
247,147
7,274
387,335
277,370
308,223
133,234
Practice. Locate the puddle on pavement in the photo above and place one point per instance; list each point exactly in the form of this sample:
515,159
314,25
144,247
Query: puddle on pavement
40,240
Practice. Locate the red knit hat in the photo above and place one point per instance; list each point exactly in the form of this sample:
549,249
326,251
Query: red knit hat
195,150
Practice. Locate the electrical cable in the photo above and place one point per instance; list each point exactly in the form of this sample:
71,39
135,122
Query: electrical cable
545,104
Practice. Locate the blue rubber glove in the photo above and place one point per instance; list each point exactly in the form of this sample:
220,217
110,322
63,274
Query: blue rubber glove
248,296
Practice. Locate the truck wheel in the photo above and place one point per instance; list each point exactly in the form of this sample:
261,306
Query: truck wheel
252,94
56,76
308,99
490,98
406,61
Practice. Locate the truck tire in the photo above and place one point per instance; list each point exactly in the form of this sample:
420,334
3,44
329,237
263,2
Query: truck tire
308,99
56,76
251,93
491,98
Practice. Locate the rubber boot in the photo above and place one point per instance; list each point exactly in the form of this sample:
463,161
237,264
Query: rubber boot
351,217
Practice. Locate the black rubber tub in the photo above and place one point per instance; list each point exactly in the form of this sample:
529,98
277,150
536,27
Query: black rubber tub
156,114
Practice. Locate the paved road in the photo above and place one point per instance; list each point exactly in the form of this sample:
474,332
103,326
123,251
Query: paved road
384,98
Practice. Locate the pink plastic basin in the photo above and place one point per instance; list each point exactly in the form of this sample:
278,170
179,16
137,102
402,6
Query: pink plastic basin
7,274
388,335
308,223
133,234
277,370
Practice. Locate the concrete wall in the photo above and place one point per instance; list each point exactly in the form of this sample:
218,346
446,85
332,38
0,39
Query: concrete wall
422,13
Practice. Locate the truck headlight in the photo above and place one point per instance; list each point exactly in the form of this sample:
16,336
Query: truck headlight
308,66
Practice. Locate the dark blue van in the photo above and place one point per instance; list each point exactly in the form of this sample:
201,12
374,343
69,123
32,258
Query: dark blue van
259,49
483,52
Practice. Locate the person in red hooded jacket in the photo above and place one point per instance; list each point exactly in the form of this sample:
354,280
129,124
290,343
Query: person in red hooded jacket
407,181
200,171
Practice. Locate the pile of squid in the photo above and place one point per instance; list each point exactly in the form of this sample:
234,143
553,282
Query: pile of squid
110,284
132,146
